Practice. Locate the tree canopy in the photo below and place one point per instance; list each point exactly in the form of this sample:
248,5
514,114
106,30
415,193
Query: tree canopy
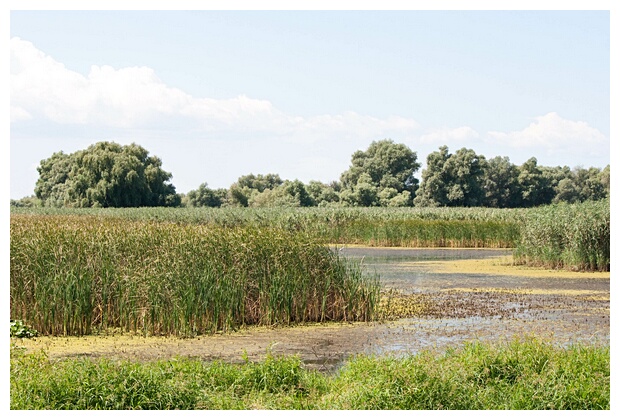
381,175
452,179
105,174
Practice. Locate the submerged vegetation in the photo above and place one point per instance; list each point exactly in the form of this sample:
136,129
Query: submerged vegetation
71,275
522,375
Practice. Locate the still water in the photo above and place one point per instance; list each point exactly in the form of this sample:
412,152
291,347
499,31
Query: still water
555,309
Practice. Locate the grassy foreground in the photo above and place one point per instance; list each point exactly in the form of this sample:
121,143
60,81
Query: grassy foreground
523,375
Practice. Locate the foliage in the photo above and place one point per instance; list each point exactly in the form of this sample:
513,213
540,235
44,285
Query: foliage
581,185
21,330
520,375
453,180
500,184
31,201
76,274
105,174
385,165
240,193
536,188
323,194
206,197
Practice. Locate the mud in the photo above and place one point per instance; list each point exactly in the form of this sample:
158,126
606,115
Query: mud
433,299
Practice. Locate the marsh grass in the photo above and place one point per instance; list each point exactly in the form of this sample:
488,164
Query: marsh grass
444,227
74,275
569,236
521,375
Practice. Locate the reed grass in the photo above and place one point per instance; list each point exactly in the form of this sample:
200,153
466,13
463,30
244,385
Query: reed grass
74,275
569,236
428,227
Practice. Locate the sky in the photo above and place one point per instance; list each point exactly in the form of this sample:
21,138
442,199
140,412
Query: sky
221,94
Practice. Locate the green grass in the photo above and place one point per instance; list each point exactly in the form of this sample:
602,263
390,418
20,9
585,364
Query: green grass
521,375
74,275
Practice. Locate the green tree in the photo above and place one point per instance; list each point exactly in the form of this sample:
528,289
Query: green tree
51,187
581,185
500,184
241,192
384,165
105,174
536,187
323,194
452,179
604,177
206,197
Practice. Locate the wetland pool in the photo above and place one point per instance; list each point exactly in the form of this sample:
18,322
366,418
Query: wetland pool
467,294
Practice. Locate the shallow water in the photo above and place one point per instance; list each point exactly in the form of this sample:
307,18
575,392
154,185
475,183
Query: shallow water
524,306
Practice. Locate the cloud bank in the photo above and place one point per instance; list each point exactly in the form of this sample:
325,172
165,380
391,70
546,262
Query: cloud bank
136,98
555,135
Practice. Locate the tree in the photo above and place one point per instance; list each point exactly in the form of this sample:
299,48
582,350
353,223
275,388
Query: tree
604,177
384,165
206,197
581,185
240,193
452,179
323,194
500,185
536,187
105,174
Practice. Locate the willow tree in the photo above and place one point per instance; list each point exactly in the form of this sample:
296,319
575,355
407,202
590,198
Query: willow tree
105,174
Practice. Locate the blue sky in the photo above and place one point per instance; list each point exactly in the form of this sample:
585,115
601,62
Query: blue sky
220,94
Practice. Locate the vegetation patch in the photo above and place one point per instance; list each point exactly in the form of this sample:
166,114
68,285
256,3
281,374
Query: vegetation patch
569,236
72,275
522,375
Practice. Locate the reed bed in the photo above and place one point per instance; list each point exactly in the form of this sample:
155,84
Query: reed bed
74,275
428,227
569,236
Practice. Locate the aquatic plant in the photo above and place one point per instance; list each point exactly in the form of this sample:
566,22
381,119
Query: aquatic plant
79,274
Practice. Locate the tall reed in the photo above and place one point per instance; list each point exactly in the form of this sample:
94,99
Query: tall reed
572,236
452,227
76,274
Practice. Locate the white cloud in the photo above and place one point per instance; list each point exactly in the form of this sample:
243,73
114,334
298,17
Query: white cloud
449,135
135,98
551,134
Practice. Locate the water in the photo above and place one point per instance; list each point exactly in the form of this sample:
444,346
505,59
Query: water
550,313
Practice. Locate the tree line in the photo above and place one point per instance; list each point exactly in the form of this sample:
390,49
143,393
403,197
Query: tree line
107,174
